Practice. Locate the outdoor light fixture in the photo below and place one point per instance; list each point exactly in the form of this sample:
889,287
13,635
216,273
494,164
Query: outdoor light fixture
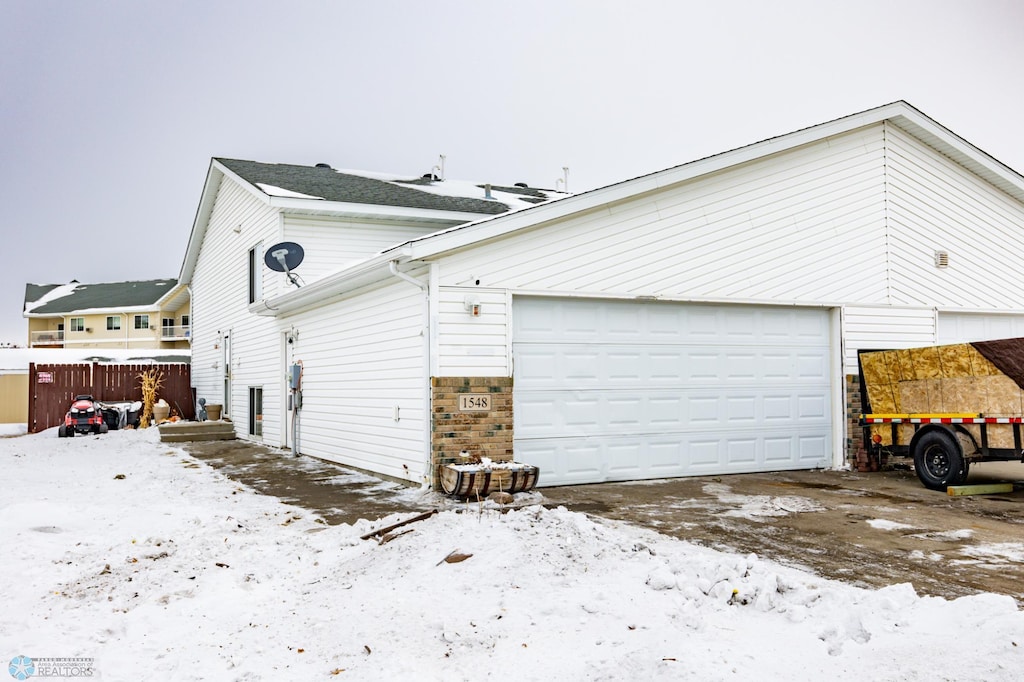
472,304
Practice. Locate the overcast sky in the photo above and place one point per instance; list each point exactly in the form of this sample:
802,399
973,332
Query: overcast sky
110,111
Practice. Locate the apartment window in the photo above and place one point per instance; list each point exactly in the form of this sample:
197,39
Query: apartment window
184,320
113,322
167,325
77,324
142,321
256,273
255,411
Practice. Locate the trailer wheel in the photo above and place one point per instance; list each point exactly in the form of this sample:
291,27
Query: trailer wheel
938,460
62,431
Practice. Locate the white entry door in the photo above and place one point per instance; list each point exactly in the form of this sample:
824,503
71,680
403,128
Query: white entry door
626,390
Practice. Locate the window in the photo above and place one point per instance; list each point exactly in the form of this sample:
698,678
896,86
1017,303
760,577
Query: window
255,273
77,324
184,320
142,321
255,411
113,322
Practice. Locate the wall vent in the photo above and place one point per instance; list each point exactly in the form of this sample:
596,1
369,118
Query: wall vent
941,259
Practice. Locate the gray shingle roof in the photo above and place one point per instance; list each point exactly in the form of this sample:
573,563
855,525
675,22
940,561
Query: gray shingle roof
105,295
331,185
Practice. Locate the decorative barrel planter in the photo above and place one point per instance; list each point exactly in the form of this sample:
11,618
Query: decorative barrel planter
480,480
213,411
161,412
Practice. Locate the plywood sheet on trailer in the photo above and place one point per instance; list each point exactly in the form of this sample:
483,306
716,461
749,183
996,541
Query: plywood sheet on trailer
982,378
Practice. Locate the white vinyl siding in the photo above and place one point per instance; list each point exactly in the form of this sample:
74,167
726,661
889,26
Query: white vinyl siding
963,327
220,291
473,346
330,245
935,205
620,390
883,328
806,225
363,356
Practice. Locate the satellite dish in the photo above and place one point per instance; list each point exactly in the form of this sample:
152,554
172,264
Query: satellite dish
284,257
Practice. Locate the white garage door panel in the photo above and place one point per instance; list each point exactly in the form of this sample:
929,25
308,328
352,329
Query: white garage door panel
617,390
964,327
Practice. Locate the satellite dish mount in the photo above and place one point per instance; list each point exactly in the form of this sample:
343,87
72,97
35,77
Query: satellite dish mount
285,257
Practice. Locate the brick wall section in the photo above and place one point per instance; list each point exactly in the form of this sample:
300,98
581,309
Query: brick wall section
854,433
856,452
483,434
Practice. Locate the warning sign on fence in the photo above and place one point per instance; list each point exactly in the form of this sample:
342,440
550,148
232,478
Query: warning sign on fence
44,377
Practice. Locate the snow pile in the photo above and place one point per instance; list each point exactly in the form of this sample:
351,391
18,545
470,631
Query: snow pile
132,553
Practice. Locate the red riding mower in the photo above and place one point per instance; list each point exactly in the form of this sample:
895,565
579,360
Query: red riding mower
85,416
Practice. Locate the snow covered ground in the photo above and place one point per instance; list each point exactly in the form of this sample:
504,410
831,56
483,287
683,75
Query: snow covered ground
131,553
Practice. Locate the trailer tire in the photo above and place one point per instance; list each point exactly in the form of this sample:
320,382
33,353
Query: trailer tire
939,461
62,431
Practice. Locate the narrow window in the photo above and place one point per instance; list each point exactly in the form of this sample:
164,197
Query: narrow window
113,322
255,411
78,324
142,321
255,273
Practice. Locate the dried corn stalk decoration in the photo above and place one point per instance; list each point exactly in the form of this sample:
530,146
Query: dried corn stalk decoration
152,381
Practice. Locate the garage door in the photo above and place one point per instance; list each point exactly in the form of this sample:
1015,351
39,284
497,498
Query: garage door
964,327
625,390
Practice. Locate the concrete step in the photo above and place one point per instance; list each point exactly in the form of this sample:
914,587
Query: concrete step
181,432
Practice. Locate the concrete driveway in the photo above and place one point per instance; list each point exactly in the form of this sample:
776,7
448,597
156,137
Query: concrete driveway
873,529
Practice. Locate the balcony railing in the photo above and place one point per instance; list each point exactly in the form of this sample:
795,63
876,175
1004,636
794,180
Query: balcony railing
47,338
182,331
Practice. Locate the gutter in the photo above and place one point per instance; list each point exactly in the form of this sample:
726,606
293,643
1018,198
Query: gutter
322,289
393,268
425,332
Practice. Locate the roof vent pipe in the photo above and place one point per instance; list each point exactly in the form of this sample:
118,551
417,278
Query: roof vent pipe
487,191
439,168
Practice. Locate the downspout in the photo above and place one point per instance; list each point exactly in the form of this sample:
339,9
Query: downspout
425,332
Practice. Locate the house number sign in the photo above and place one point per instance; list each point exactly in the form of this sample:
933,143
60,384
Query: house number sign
474,402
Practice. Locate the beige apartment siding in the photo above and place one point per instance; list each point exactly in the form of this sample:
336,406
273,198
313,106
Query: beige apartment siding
14,398
96,334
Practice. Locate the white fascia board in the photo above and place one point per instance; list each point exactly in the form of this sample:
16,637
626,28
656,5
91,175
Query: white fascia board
131,310
340,282
214,176
489,228
372,210
172,292
958,145
481,230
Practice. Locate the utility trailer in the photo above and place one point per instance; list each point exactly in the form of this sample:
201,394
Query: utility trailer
945,406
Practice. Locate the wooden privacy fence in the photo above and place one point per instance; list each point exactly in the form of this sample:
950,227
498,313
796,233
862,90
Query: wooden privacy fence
51,388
